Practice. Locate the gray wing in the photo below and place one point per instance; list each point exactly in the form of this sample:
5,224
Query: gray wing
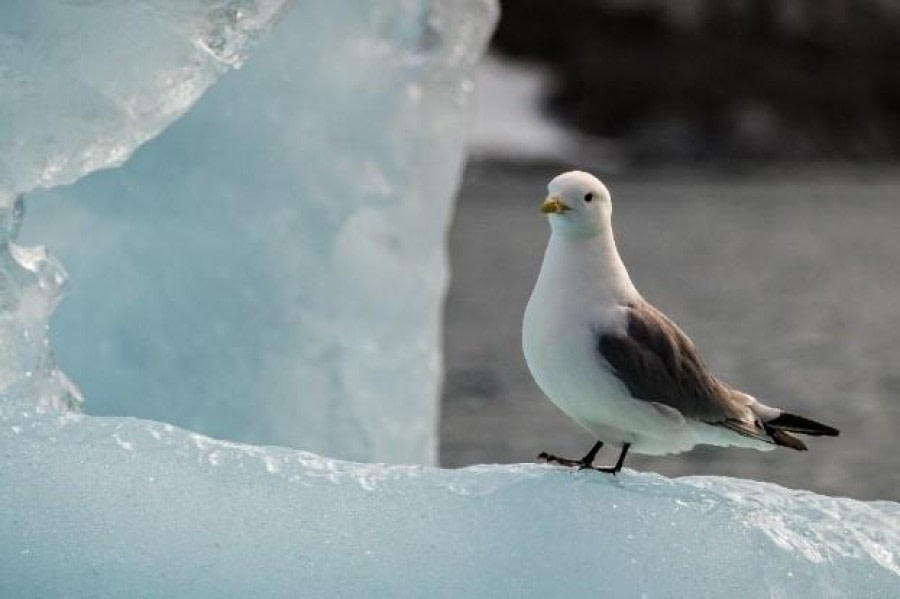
659,363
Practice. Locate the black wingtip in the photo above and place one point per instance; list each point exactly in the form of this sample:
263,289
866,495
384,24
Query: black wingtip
799,424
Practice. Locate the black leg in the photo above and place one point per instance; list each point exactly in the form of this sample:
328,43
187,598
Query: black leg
615,469
586,462
588,459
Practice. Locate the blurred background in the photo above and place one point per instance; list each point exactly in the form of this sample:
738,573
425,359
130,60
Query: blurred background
751,148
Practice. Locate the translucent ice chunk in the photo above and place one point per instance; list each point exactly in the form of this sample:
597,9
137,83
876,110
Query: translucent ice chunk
82,84
31,282
271,268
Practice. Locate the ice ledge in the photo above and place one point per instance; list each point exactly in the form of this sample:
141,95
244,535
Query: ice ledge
121,507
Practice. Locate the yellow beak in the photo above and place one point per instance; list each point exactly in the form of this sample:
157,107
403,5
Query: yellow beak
553,205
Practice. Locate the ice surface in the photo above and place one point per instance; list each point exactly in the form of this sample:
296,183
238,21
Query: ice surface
271,268
114,507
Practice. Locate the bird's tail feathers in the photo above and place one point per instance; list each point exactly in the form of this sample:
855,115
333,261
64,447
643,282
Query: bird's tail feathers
767,435
746,429
787,440
778,430
787,422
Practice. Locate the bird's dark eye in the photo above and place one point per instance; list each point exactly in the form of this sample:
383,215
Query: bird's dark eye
588,197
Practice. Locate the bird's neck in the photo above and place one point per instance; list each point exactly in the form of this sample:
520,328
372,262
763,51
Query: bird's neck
596,254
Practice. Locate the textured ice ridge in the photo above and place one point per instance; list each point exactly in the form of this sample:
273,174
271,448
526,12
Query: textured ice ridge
123,507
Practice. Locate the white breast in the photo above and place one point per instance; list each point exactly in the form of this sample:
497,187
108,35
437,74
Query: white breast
559,342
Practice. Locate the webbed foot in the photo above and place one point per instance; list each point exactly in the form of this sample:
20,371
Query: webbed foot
587,462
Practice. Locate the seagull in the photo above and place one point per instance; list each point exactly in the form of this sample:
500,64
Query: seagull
618,366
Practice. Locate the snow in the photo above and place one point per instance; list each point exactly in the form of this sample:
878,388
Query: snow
114,507
509,120
271,268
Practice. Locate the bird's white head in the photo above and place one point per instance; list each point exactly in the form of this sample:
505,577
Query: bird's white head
578,204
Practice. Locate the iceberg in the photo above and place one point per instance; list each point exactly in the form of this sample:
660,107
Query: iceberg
271,268
117,507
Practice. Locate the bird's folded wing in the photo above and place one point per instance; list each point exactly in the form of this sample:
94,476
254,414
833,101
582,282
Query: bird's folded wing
658,363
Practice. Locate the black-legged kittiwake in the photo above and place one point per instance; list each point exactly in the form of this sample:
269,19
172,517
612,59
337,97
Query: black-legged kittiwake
615,364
